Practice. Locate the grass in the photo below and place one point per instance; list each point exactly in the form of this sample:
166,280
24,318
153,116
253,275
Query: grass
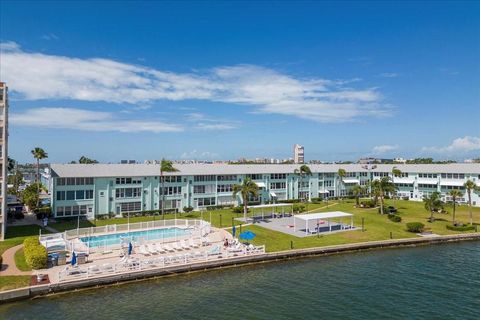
12,282
377,227
20,261
16,235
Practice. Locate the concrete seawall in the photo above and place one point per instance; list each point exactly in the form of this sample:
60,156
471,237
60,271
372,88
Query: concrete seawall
29,292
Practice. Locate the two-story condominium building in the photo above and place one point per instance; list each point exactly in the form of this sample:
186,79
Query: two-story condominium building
98,189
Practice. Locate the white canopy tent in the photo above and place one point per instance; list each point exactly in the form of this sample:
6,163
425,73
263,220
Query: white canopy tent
321,216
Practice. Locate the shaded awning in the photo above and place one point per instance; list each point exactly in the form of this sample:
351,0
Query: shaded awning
427,181
323,191
260,184
404,180
349,181
273,194
452,183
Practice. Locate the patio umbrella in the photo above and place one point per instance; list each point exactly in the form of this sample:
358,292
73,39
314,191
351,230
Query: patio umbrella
247,235
74,258
234,231
130,248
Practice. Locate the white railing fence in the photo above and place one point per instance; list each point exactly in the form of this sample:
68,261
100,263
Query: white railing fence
133,264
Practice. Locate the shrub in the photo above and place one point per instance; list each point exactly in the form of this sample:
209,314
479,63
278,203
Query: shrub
187,209
367,204
394,217
290,201
461,228
298,207
415,227
35,253
239,209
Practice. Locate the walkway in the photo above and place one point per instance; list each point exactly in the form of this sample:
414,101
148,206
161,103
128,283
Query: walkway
9,268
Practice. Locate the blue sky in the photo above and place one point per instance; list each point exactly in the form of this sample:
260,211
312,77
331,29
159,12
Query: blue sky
146,80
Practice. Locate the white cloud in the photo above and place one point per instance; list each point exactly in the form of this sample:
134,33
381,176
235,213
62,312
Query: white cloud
215,126
198,155
50,36
389,75
37,76
204,122
79,119
459,145
384,148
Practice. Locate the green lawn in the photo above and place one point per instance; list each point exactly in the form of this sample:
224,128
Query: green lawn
16,235
12,282
20,261
377,227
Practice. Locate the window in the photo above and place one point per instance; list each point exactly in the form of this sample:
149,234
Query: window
204,178
231,177
172,190
121,193
328,183
427,175
68,211
278,176
80,194
351,175
61,182
75,210
427,186
60,195
70,182
59,211
88,194
254,176
329,174
198,189
277,185
130,206
83,209
402,175
80,181
88,181
363,174
70,195
303,184
224,188
380,174
206,202
171,179
127,181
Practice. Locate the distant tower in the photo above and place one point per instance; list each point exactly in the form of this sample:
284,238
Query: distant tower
3,157
298,154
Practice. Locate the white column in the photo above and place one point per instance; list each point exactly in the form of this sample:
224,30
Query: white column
351,222
306,226
329,226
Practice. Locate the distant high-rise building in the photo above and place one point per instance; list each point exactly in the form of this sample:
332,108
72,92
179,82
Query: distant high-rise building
298,154
3,157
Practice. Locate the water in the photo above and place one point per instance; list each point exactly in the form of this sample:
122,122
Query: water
117,238
432,282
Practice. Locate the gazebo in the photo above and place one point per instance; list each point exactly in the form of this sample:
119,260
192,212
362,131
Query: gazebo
321,216
270,208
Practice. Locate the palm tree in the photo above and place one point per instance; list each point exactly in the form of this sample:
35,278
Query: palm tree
470,186
304,170
432,203
341,174
395,173
381,187
455,194
357,191
39,154
165,166
246,189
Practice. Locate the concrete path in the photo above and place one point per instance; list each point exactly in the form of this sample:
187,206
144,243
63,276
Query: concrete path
9,267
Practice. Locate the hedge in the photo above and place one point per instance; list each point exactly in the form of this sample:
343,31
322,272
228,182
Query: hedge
461,228
35,253
415,227
394,217
298,207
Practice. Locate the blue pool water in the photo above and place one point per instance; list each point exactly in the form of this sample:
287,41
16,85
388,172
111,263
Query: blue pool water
118,238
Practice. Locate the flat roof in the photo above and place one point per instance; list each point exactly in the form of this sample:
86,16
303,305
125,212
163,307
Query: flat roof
141,170
322,215
271,205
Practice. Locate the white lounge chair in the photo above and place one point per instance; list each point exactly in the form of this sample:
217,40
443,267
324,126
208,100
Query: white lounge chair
143,250
192,243
184,245
214,251
168,248
177,246
159,248
205,241
151,248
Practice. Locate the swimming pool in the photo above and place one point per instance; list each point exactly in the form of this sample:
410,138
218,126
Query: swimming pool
134,236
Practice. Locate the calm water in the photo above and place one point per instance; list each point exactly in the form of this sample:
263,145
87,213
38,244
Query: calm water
433,282
117,238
